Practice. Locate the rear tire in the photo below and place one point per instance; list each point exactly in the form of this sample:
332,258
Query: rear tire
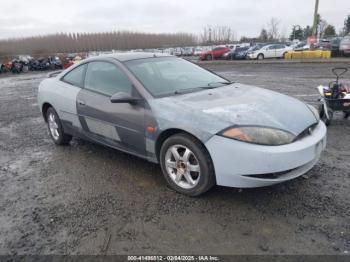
186,165
55,128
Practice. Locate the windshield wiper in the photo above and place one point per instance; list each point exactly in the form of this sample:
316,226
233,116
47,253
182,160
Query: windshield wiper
220,83
209,86
213,85
183,91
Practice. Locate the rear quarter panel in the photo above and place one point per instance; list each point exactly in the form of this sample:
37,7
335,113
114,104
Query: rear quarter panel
62,97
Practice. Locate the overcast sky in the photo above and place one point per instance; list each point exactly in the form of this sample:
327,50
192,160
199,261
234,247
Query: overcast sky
246,17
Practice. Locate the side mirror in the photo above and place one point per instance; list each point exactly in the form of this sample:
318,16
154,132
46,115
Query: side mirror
122,97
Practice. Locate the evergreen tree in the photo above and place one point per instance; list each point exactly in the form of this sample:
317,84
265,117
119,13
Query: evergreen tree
297,33
263,35
329,31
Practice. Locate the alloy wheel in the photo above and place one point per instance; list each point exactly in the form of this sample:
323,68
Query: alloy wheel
182,166
53,126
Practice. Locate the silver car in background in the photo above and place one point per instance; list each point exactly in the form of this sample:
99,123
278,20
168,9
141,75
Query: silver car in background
201,128
344,46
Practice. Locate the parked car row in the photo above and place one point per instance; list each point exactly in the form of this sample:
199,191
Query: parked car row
27,63
256,51
24,64
339,46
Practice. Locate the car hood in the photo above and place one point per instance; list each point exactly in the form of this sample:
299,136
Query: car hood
211,111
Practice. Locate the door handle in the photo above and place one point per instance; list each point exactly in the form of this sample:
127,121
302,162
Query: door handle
82,103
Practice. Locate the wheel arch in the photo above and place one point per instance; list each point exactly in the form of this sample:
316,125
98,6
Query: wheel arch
260,54
173,131
44,109
165,134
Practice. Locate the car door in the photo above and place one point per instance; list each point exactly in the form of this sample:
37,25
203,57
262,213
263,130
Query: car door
215,52
270,51
280,49
120,125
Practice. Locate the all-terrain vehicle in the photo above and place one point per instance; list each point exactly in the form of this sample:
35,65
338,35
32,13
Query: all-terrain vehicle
334,97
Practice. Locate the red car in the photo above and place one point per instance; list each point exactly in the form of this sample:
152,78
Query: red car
216,53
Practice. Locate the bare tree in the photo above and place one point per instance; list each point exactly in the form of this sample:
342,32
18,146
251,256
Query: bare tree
322,25
217,35
273,28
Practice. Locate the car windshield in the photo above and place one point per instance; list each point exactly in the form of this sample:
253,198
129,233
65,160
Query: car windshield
256,47
163,76
241,49
336,41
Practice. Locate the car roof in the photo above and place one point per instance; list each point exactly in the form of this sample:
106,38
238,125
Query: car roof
122,57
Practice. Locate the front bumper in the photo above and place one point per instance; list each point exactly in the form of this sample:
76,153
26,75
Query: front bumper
251,56
244,165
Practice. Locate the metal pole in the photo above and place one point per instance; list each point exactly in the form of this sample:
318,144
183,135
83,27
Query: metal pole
293,32
314,27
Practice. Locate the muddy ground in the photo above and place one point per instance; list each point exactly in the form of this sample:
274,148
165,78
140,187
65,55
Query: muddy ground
89,199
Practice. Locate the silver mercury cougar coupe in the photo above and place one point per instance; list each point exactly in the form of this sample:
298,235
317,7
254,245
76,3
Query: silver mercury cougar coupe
201,128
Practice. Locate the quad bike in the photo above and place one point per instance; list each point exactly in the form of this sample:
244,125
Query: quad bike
334,97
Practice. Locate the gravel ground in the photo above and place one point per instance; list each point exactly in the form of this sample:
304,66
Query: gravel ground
89,199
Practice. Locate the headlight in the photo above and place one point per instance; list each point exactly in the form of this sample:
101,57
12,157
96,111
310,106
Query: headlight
259,135
315,112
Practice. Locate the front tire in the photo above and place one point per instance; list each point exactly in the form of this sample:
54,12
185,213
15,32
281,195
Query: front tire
209,57
323,115
260,57
55,128
186,165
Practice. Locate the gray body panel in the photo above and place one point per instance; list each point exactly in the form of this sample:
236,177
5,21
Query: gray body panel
119,125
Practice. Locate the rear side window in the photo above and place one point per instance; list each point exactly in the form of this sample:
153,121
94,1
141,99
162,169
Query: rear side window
106,78
346,41
76,76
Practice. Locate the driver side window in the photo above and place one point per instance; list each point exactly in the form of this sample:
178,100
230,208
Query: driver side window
106,78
